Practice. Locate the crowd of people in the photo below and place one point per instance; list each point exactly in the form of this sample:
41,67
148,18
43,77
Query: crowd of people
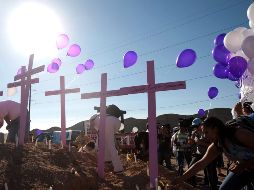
196,144
213,138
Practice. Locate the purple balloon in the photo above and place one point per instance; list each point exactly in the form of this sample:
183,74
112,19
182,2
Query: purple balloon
62,41
53,68
213,92
80,68
237,66
20,71
57,61
74,50
129,59
231,77
89,64
186,58
221,54
220,71
201,113
219,39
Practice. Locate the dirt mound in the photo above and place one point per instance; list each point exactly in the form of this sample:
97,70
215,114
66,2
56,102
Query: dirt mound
31,167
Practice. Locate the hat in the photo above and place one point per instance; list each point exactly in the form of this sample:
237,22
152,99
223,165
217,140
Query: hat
196,122
175,129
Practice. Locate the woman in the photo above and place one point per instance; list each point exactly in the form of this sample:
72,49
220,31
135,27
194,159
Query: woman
237,143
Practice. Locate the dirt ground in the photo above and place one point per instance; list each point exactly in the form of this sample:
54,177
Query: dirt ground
31,167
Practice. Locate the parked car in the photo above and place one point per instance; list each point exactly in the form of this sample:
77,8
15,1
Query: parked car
44,135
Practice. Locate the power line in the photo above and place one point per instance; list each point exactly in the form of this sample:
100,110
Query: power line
76,99
185,104
133,74
190,20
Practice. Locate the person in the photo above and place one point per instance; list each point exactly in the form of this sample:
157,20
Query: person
237,110
202,144
247,110
164,148
10,113
173,145
182,147
112,125
237,143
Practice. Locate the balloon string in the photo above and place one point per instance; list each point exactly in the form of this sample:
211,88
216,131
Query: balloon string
209,108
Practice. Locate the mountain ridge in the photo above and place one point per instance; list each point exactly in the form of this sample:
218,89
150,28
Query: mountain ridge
222,113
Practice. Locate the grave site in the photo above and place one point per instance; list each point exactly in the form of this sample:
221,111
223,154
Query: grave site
73,118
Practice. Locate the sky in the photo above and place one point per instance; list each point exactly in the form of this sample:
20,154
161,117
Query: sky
106,30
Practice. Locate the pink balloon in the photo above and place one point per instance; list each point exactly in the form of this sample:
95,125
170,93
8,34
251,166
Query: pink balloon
19,71
57,61
89,64
74,50
80,68
62,41
53,68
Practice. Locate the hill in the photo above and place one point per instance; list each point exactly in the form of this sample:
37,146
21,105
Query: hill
222,113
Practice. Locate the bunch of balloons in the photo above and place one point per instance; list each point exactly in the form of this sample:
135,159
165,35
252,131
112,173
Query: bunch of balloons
234,54
231,61
74,50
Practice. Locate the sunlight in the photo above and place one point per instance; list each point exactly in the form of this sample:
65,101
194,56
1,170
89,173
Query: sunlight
33,28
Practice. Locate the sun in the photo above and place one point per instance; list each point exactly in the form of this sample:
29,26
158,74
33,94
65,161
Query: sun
33,28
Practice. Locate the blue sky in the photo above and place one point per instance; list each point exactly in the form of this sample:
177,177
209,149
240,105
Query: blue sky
105,31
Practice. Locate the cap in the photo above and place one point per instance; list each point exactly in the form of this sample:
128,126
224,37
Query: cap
196,122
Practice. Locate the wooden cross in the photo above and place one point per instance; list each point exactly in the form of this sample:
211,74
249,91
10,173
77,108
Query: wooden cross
150,88
62,93
24,83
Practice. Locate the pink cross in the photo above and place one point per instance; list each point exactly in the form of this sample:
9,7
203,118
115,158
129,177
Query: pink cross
24,83
62,93
150,88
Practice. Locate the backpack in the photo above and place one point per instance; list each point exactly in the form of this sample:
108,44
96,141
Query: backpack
244,122
241,122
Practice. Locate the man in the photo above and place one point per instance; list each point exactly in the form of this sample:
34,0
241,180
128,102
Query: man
10,113
164,148
247,109
202,144
182,146
112,126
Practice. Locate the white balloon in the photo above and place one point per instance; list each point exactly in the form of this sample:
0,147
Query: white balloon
233,41
11,91
240,29
250,13
239,53
248,46
134,129
251,24
251,66
248,32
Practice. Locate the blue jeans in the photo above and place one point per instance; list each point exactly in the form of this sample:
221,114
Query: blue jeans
237,181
